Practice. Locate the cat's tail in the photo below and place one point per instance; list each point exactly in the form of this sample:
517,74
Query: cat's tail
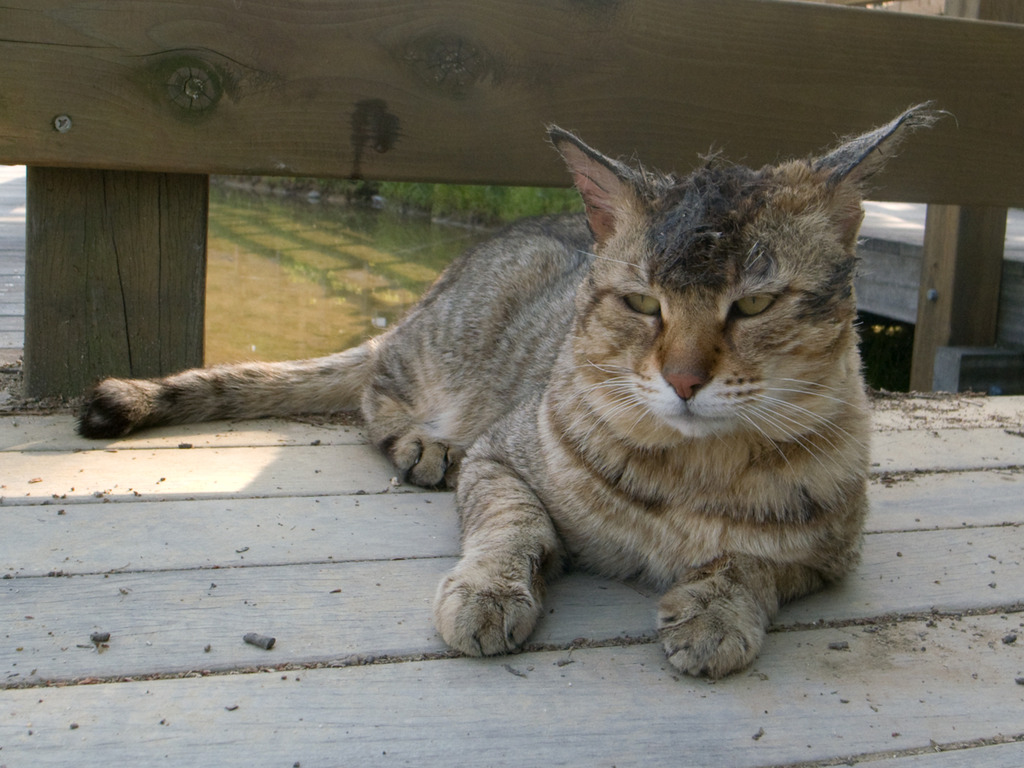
115,407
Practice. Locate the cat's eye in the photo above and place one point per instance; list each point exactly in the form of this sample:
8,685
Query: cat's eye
749,306
642,303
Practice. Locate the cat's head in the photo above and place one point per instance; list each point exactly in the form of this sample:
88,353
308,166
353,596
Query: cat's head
724,301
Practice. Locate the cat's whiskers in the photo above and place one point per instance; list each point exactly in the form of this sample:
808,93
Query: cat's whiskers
789,434
806,428
606,368
818,419
809,383
765,435
841,400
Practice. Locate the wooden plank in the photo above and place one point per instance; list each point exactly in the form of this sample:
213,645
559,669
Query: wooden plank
897,412
803,702
461,92
980,756
946,500
947,449
161,623
890,413
48,477
20,433
163,620
222,473
115,274
146,536
98,538
950,571
45,448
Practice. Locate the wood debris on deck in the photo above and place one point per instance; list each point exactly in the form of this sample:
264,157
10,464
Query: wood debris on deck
182,540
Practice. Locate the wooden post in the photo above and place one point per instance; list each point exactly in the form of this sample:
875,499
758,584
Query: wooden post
115,276
958,298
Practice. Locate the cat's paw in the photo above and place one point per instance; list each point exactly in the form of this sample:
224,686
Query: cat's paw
711,629
482,613
424,462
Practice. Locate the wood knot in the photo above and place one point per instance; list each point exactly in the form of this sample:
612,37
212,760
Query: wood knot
193,88
452,64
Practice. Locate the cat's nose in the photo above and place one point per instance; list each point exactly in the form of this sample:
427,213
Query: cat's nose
685,384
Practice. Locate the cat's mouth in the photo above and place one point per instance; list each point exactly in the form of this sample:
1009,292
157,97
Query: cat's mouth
692,420
694,417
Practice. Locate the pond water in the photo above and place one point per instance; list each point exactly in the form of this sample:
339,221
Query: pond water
288,278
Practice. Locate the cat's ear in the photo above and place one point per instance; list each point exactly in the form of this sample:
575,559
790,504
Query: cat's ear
859,158
845,169
606,185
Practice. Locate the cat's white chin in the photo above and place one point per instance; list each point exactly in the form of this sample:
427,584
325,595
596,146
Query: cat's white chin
696,418
693,424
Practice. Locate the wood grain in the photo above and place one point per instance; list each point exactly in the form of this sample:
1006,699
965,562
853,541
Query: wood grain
958,294
82,538
459,91
890,692
115,276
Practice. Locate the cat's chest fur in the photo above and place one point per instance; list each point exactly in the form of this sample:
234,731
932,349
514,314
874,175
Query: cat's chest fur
655,513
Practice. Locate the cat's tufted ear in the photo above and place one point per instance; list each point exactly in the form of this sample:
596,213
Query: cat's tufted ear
845,169
863,156
605,185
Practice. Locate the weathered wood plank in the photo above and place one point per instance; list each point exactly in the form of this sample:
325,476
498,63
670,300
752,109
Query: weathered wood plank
138,536
979,569
803,702
460,92
958,755
946,500
892,413
194,473
115,276
298,468
57,433
148,536
947,449
162,621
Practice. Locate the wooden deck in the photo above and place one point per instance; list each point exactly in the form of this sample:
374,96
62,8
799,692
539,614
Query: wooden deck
182,540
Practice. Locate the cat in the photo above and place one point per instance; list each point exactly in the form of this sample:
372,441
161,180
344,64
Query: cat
664,387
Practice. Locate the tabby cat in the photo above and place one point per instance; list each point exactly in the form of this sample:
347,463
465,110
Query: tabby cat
665,387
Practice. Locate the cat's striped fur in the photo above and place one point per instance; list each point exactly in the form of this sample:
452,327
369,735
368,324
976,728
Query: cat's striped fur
667,387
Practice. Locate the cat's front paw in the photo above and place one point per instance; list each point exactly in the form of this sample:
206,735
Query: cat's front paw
482,613
711,629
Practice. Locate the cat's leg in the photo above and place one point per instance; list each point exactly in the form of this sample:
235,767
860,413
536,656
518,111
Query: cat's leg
491,601
713,621
423,456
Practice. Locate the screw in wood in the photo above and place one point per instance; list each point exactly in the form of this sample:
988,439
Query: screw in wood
62,123
192,88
